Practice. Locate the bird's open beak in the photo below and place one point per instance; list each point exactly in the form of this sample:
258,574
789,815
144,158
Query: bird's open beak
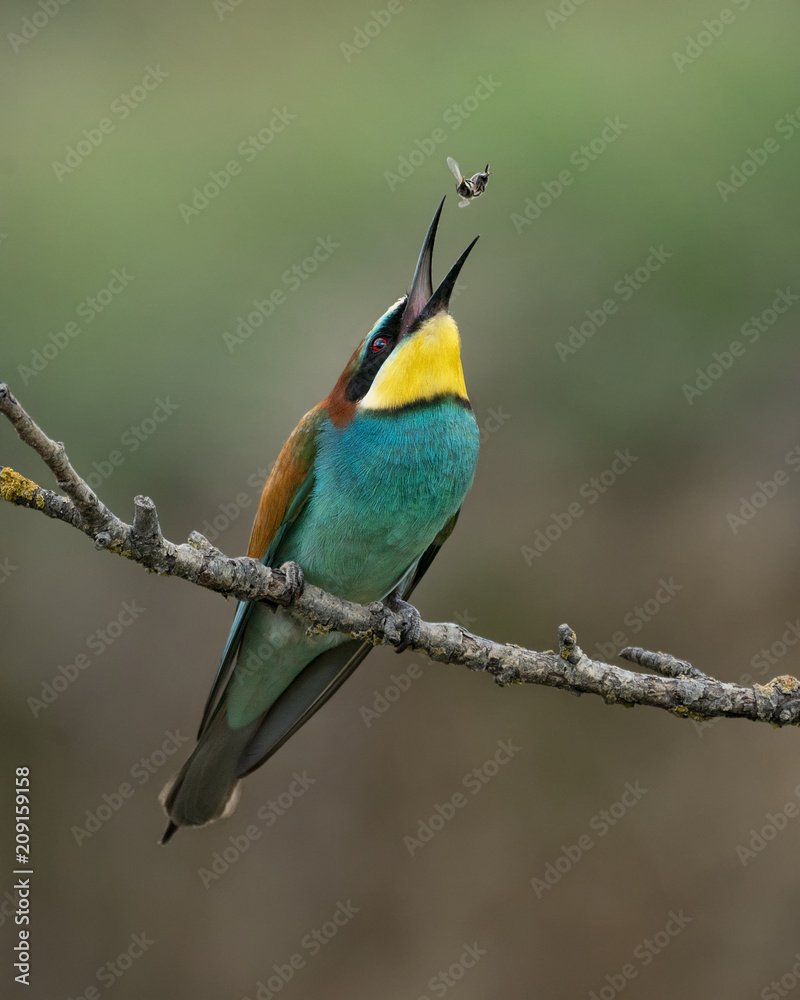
423,302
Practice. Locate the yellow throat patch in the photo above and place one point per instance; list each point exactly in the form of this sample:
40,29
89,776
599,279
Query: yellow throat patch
423,366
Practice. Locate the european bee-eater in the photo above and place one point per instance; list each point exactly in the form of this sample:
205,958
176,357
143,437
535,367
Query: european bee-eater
362,497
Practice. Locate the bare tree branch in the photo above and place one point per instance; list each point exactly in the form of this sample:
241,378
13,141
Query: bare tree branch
675,685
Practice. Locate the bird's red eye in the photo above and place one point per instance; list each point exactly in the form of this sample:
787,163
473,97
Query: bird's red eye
378,344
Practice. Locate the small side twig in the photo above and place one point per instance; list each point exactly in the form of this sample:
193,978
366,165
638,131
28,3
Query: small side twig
675,686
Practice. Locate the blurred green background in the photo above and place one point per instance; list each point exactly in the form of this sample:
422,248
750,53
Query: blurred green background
216,77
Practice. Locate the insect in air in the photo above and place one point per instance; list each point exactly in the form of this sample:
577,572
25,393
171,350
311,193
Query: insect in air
468,187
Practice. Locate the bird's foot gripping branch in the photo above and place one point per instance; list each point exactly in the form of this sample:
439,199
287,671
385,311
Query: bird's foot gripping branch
670,684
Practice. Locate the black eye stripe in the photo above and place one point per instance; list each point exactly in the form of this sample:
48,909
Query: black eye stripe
372,359
359,384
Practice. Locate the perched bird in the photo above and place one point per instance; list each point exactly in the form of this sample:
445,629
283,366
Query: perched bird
362,496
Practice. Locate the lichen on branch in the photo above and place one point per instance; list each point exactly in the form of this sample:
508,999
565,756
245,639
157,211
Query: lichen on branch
673,685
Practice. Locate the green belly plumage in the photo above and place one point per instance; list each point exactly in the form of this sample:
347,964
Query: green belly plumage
385,485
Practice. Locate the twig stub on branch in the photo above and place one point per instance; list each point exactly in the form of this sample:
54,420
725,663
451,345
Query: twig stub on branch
675,686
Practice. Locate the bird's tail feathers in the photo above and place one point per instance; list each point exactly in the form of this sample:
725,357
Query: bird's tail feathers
206,788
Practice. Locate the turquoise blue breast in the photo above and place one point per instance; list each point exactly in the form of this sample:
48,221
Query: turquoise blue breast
386,484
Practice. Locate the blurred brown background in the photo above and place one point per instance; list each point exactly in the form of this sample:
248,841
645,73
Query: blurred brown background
355,96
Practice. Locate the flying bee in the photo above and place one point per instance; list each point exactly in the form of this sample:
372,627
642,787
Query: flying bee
468,187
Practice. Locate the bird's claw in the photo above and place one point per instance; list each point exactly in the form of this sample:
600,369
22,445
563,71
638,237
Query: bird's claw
295,581
411,620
